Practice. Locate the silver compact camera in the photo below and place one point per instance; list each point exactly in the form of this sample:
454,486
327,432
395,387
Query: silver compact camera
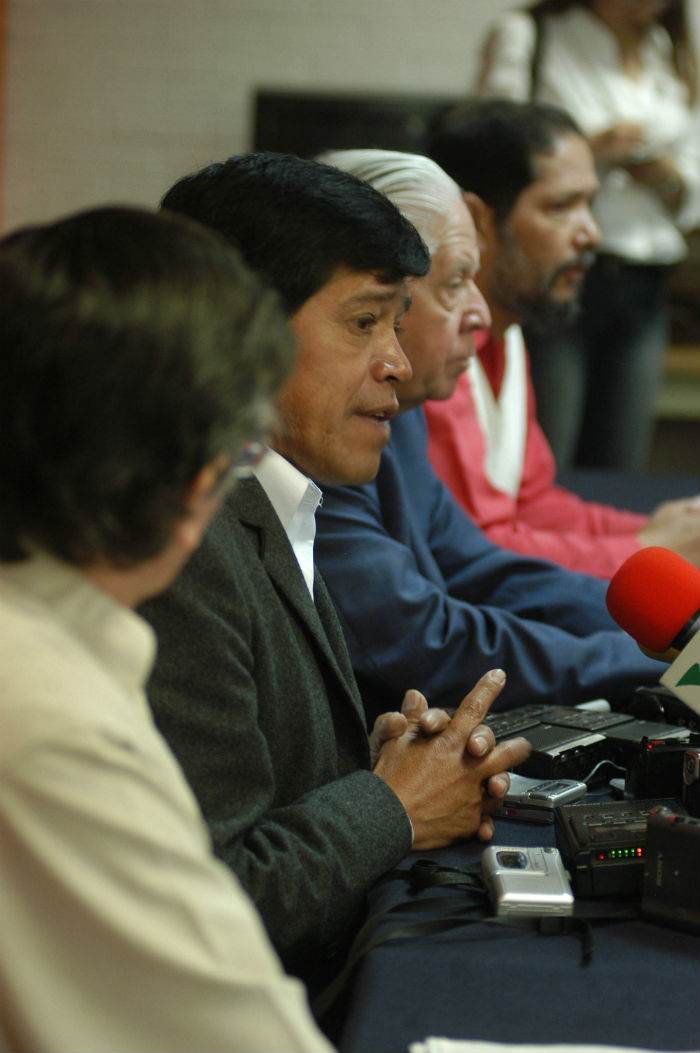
526,882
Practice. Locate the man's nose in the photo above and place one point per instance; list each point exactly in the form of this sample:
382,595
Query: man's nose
392,363
476,314
588,232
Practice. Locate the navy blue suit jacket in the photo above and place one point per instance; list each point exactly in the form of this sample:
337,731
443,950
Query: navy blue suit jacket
427,601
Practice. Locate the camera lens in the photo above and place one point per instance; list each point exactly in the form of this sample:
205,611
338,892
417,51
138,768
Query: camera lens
513,860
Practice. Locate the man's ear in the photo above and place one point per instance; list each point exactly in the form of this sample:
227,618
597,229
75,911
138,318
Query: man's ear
203,499
482,214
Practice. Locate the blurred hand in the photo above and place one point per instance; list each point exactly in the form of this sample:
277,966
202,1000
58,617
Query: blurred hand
618,143
447,790
661,176
675,525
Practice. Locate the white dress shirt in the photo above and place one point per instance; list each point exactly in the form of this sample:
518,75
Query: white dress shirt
295,499
580,70
120,930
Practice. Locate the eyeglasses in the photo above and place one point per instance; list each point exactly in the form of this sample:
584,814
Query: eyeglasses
251,454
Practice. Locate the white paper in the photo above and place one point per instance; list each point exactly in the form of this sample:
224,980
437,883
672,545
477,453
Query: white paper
683,675
456,1045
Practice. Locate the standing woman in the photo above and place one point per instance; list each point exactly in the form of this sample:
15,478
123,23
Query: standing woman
626,71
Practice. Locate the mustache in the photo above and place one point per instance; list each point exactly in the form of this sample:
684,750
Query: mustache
584,259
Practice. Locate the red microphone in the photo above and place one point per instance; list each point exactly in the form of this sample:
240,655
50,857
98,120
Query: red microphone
655,597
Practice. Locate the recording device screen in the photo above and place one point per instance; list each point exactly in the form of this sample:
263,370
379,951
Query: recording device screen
534,800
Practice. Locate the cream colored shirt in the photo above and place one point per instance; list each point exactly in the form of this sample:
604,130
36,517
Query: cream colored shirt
120,931
580,71
295,499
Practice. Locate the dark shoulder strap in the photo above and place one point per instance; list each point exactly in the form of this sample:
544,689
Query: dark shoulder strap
443,915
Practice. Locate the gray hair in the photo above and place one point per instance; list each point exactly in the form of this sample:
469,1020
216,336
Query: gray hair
419,188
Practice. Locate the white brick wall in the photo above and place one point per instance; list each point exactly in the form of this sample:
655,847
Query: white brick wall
115,99
112,100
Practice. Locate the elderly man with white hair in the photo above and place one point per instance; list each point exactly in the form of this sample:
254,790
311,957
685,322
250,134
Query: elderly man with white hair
423,596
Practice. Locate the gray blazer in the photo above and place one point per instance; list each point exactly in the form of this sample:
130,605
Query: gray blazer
254,690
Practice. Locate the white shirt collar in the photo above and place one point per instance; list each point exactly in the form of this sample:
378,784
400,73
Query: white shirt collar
503,420
295,499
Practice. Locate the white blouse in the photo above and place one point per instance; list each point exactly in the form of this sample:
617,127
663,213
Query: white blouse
580,70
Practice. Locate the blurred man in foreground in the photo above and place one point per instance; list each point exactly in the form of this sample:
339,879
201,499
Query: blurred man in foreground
139,357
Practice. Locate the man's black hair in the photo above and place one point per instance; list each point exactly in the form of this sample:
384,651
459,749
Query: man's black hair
298,221
491,146
136,347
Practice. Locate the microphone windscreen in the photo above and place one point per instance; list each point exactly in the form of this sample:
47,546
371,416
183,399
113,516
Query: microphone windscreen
653,595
